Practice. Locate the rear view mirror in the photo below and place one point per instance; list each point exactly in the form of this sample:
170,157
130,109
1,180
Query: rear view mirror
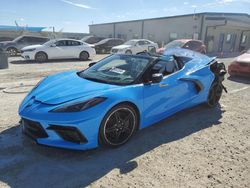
157,77
91,64
53,45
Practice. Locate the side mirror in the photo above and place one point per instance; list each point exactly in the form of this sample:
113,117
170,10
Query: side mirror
157,77
91,64
53,45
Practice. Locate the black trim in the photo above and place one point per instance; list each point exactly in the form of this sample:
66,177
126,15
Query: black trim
198,85
69,133
33,129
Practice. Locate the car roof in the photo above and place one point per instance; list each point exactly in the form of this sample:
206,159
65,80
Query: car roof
187,40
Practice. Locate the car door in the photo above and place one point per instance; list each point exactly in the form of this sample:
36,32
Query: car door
139,47
58,50
167,97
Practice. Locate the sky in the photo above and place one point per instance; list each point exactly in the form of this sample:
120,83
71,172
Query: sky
76,15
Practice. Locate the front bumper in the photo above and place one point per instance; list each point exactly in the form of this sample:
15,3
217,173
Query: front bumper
28,55
239,69
62,129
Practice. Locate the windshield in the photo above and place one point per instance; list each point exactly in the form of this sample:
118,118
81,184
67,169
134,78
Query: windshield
117,69
102,41
86,38
130,42
49,42
17,39
174,44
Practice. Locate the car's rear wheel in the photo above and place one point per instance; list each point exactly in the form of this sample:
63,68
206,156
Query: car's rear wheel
214,95
12,51
128,52
84,56
41,57
118,125
153,50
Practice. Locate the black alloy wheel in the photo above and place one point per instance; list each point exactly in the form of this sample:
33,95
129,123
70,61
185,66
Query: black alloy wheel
41,57
214,94
118,125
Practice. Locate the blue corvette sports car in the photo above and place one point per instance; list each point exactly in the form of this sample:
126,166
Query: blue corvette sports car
112,99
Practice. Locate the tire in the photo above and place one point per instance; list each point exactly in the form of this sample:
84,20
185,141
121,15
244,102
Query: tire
84,56
153,50
12,51
214,95
118,126
41,57
128,52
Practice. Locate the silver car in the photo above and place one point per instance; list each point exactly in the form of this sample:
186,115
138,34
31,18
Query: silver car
14,47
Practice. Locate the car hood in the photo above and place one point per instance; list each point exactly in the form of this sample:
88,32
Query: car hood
68,86
123,46
7,43
31,47
243,58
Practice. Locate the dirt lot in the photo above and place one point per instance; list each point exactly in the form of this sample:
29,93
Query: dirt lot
199,147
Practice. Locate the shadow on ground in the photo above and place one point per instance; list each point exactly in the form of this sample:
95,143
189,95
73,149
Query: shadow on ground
19,62
24,164
239,79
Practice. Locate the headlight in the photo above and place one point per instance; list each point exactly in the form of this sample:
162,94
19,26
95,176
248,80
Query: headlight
29,50
80,106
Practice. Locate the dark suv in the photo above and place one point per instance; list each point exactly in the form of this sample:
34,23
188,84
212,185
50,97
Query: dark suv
105,45
14,47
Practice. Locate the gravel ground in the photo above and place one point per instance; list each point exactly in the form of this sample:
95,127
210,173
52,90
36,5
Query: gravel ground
199,147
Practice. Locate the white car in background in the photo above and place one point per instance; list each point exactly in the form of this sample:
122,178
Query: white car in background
135,46
58,49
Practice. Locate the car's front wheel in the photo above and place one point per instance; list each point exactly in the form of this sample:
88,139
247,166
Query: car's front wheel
12,51
84,56
41,57
214,95
118,125
128,52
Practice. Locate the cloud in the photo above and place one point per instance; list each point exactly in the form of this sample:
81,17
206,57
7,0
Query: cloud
185,3
194,6
77,4
224,2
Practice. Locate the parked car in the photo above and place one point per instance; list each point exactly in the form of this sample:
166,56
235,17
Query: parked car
135,46
58,49
108,102
14,47
241,65
92,39
191,44
105,45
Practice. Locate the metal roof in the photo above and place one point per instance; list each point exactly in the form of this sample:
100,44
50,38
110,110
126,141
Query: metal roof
18,28
183,15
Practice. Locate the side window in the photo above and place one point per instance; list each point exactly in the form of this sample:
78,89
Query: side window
73,43
141,42
110,42
193,45
146,42
61,43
